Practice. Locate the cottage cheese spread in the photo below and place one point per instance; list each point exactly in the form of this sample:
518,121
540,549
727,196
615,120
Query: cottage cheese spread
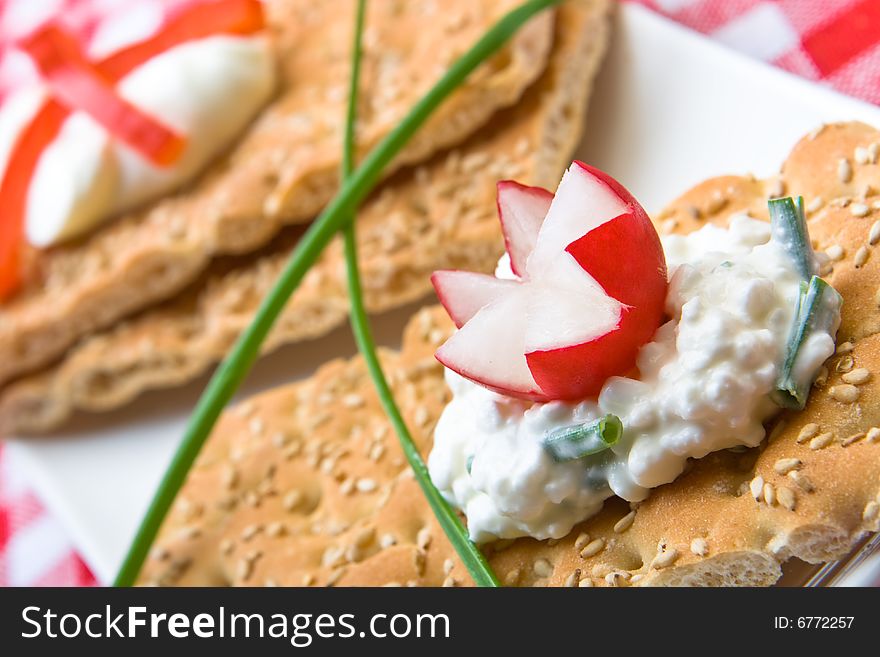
207,90
704,386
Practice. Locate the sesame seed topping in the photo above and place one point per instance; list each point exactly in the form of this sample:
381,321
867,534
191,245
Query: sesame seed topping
873,152
377,451
624,523
245,566
227,546
845,393
276,529
835,252
422,416
669,225
449,582
873,434
615,579
803,482
844,170
250,531
423,539
874,233
256,425
448,565
716,203
366,485
585,583
582,539
756,487
859,210
309,579
807,432
353,400
332,556
543,568
512,577
700,547
160,553
844,348
815,205
665,559
245,409
230,478
769,494
387,540
573,579
821,441
280,439
593,548
861,256
291,500
852,438
784,466
872,510
786,497
857,377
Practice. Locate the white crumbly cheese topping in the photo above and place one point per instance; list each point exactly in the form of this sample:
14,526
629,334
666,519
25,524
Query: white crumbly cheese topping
704,385
207,90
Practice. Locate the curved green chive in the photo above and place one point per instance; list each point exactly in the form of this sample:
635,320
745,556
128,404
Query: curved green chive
449,520
576,442
817,311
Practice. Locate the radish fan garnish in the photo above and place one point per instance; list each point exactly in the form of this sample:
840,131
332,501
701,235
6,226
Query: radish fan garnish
589,290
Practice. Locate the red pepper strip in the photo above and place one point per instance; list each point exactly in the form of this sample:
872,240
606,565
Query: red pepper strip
191,23
80,85
14,187
188,24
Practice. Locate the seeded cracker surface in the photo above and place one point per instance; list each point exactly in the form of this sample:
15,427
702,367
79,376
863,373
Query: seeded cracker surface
305,485
440,215
284,168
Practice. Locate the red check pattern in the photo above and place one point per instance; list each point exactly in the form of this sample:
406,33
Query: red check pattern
834,42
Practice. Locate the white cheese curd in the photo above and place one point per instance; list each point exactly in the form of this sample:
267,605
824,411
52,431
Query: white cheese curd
207,90
705,384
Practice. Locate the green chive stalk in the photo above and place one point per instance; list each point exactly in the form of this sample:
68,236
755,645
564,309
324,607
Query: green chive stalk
338,212
449,520
788,227
576,442
818,311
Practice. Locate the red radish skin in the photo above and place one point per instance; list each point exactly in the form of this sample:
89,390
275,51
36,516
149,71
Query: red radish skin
615,267
521,209
464,293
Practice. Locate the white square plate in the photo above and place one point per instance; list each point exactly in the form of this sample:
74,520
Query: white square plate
671,108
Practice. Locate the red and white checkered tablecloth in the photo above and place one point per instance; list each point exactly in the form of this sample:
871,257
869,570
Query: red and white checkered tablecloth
835,42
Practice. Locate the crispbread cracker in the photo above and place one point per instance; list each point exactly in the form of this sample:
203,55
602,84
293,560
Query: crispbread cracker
442,215
285,167
305,485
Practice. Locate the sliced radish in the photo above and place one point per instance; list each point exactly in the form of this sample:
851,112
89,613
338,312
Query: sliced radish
521,210
592,291
501,365
463,293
